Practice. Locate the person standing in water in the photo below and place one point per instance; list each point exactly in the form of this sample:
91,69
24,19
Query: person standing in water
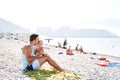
65,44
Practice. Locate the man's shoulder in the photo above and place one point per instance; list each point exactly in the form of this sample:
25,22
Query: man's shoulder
25,48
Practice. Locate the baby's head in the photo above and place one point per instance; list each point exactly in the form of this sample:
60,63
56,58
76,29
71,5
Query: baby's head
26,49
40,43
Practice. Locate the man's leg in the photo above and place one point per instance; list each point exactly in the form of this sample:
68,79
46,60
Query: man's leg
46,58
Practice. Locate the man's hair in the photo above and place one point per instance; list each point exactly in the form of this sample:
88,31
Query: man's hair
33,37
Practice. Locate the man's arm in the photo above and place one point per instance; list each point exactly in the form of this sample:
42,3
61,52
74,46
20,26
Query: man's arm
30,58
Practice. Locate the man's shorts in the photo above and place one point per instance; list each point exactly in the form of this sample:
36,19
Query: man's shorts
34,65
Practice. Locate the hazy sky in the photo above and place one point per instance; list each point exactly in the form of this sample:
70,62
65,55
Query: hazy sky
31,14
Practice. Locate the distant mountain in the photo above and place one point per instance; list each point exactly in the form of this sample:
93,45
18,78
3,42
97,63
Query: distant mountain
6,26
76,33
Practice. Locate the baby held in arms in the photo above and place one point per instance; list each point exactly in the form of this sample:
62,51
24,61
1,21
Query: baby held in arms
39,49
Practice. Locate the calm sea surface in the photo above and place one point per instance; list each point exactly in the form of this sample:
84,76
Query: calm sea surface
109,46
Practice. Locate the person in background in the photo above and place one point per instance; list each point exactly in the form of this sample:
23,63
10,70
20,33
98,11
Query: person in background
69,51
76,48
65,44
59,45
81,49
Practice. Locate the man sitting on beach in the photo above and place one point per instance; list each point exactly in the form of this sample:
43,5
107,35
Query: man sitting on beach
69,51
32,61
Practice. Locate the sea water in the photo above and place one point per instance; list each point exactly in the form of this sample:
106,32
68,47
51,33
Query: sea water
110,46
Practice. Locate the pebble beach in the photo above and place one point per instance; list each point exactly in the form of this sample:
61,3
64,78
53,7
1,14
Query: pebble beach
82,64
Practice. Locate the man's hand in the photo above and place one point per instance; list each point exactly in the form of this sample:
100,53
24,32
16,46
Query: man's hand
38,55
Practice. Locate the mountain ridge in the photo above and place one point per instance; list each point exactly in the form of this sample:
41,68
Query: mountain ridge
7,26
76,33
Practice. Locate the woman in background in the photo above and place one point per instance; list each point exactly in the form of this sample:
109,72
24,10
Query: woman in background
69,51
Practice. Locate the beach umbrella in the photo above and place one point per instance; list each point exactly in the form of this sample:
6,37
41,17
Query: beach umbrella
48,39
